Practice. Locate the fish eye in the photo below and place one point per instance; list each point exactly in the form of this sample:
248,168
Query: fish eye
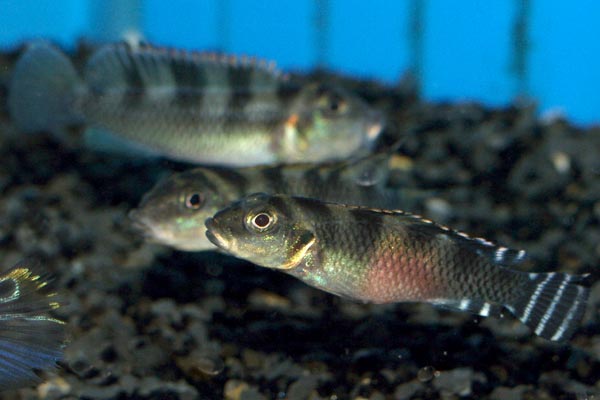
262,221
334,104
194,201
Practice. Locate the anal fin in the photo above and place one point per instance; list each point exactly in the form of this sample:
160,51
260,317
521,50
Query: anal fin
473,306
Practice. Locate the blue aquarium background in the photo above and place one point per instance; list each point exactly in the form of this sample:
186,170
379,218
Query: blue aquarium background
494,51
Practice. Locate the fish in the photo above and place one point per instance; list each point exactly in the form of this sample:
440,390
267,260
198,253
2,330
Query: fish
383,256
31,339
191,106
173,212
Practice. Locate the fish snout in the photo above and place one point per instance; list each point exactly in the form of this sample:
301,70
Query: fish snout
214,235
139,222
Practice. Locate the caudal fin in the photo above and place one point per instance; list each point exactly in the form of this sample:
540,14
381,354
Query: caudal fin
552,304
42,89
30,338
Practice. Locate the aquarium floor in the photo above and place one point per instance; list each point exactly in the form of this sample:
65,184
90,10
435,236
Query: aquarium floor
146,322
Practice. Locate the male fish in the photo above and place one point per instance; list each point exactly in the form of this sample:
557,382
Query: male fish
174,211
190,106
30,338
390,256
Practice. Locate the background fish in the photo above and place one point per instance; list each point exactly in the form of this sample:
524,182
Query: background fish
174,211
190,106
30,338
388,256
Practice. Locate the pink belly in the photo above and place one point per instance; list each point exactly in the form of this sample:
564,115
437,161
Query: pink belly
394,277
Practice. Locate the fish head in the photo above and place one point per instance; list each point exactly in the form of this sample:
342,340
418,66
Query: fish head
173,212
328,122
262,229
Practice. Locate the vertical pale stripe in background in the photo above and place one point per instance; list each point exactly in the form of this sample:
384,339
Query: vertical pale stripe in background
467,51
183,23
112,20
564,58
322,37
494,51
369,38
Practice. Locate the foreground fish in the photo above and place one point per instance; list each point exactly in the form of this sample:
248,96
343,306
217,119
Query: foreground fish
388,256
190,106
174,211
30,338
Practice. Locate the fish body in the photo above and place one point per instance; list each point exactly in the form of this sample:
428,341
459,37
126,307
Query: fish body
174,211
30,338
190,106
384,256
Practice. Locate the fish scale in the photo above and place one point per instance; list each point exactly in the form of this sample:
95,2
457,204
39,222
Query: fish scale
165,215
192,106
387,256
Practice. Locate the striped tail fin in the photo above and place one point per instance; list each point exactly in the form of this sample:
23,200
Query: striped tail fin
552,304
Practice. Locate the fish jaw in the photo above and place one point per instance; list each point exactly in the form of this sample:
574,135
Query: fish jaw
215,236
155,232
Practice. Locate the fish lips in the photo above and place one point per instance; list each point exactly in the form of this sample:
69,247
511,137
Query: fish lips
139,223
213,235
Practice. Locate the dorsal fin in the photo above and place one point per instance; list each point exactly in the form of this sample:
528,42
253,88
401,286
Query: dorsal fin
496,254
121,65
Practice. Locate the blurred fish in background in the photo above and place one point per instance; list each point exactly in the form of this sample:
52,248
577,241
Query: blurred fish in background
189,106
174,211
31,339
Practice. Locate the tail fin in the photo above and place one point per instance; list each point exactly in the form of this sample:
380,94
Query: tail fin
30,339
552,304
42,89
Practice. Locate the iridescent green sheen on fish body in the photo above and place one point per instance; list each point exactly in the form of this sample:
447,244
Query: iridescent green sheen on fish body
385,256
174,211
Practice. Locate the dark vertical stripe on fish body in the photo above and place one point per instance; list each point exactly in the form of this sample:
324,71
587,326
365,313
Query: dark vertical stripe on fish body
202,180
313,178
190,81
315,210
240,85
284,207
234,178
137,90
369,223
333,178
275,180
286,92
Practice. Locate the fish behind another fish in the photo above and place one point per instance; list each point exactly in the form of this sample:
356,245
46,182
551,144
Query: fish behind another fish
174,211
190,106
384,256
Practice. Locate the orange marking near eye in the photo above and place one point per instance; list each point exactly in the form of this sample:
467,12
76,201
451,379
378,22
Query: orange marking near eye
292,121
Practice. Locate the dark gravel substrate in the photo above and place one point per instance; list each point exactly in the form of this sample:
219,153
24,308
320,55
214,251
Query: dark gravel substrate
149,323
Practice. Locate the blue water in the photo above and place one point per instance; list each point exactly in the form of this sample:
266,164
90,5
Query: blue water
466,52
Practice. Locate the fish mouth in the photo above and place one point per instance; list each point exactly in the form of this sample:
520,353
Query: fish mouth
138,223
143,227
213,235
